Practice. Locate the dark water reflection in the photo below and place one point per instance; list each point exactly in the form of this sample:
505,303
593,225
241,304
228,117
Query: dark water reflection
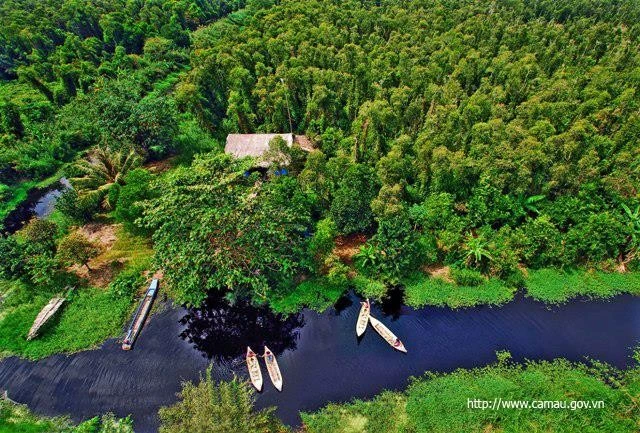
40,202
222,331
320,358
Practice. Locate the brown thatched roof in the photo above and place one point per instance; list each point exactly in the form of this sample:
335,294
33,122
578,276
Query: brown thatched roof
241,145
255,145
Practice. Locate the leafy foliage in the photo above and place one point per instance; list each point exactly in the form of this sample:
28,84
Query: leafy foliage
76,248
216,229
225,407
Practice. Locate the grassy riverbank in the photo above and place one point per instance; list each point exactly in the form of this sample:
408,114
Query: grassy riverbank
547,285
16,418
439,402
91,314
551,286
20,191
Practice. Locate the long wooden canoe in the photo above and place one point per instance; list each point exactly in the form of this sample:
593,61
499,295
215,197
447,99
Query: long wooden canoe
254,369
363,318
387,334
141,315
273,368
47,312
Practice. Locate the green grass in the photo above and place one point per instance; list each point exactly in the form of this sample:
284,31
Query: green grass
89,317
421,290
15,418
547,285
555,286
437,403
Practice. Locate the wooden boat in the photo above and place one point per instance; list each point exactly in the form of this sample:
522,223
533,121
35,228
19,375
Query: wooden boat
141,315
273,368
47,312
254,369
387,334
363,318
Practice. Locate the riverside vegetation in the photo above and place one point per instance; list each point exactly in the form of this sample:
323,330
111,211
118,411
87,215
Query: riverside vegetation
464,150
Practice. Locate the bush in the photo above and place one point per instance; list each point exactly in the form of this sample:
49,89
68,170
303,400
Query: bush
467,277
434,212
80,209
369,288
128,282
5,193
76,248
351,206
322,242
394,251
41,234
540,242
12,265
136,188
602,236
224,407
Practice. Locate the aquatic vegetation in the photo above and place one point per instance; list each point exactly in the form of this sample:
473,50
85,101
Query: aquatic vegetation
225,407
16,418
440,402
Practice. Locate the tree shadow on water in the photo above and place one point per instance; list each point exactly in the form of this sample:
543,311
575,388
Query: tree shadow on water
222,331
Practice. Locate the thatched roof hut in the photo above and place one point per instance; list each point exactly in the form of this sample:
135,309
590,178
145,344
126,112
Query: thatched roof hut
255,145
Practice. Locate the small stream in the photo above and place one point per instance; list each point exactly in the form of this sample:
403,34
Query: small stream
40,202
320,357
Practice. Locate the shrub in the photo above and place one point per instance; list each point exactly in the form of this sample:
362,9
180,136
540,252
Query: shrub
40,234
136,188
351,206
211,406
79,209
322,241
602,236
5,193
368,287
540,242
467,277
127,282
76,248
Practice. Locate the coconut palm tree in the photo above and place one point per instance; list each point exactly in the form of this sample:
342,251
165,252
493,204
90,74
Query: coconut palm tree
102,169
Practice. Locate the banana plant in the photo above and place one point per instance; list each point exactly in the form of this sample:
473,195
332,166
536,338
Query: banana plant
633,217
476,251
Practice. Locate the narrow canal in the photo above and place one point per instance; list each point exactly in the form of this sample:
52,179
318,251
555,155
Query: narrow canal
320,357
39,203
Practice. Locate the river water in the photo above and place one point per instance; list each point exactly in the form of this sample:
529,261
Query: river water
320,357
39,203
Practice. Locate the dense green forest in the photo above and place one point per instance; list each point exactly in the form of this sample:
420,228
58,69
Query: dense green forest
485,139
463,150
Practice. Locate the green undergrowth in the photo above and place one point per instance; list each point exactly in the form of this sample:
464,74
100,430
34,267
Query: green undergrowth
546,285
555,286
317,294
438,403
89,317
16,418
421,290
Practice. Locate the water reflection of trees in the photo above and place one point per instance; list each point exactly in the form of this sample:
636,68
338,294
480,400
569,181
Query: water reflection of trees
223,331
